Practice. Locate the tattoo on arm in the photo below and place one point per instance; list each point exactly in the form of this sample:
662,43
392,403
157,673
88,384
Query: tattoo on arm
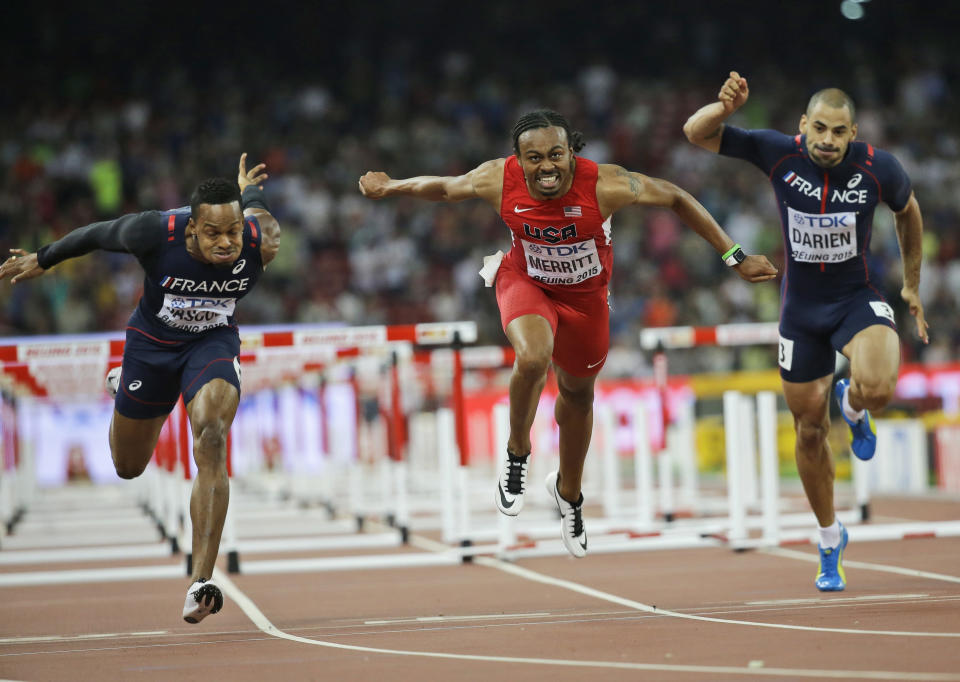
632,179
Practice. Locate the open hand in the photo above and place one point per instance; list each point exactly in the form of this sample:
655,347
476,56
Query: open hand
254,176
912,298
19,266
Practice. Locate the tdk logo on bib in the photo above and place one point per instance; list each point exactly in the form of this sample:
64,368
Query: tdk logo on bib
824,219
822,237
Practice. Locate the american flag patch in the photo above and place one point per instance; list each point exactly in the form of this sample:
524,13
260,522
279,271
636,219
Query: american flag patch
572,212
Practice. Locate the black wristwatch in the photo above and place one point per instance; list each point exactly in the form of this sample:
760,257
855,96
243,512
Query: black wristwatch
734,256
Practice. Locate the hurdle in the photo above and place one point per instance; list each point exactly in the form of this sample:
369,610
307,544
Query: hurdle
58,367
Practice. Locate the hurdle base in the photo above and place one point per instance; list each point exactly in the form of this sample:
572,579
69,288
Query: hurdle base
233,561
15,519
189,563
174,546
467,557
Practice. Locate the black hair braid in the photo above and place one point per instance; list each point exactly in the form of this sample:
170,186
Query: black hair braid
545,118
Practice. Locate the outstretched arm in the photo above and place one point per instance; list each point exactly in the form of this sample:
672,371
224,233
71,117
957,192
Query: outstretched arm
254,204
909,224
135,233
705,127
618,187
483,182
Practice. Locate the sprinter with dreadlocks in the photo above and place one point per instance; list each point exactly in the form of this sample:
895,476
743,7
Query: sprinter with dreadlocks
552,284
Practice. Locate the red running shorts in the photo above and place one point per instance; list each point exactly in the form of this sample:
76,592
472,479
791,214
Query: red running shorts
580,320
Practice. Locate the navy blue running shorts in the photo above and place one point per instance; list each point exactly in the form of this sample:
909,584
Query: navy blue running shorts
811,330
156,372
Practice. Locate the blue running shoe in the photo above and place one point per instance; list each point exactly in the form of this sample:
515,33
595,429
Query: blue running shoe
863,435
831,577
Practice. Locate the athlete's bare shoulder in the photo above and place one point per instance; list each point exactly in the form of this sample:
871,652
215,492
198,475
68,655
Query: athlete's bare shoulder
617,187
487,179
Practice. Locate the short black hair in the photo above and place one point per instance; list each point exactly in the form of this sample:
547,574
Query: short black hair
545,118
833,97
214,191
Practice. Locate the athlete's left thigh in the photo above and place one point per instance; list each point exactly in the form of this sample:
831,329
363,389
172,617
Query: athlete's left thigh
211,413
583,334
868,337
215,404
212,357
874,355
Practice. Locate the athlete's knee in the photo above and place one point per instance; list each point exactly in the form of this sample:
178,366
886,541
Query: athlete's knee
875,392
532,361
580,400
127,468
811,435
210,443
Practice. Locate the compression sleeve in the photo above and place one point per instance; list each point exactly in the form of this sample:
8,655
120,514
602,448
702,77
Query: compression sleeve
135,233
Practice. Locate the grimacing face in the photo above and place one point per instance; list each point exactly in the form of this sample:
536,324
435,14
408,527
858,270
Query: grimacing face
829,132
219,233
547,161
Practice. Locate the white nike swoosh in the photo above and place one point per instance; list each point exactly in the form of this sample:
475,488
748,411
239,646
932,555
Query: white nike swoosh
597,362
517,209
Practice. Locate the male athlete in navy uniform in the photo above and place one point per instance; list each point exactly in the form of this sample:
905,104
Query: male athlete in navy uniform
827,187
552,285
181,338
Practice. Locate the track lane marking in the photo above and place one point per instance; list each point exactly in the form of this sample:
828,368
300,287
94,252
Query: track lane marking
258,618
834,600
883,568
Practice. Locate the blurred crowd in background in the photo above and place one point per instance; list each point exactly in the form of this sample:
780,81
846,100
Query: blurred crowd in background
87,134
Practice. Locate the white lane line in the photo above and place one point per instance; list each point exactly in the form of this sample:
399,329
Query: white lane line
639,606
426,543
263,623
450,619
107,553
73,638
804,556
834,600
92,575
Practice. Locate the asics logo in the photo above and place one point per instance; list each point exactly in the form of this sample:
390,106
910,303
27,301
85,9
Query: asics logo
517,209
239,266
134,385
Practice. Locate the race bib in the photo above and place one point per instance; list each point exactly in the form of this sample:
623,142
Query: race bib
195,313
562,263
822,237
882,309
785,354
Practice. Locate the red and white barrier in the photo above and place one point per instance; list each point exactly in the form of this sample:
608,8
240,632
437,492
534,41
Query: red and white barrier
423,471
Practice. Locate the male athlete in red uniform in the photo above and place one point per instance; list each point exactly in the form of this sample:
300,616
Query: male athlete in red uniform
552,285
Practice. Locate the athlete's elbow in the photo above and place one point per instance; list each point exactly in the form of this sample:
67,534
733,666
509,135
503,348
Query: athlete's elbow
690,131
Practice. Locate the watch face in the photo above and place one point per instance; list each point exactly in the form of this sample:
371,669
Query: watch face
739,255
